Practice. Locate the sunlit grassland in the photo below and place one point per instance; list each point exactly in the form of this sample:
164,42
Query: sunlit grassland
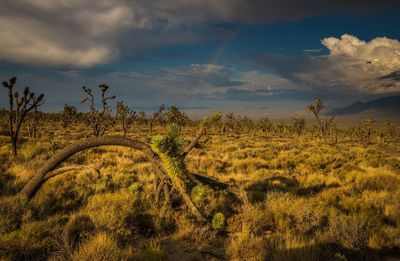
308,200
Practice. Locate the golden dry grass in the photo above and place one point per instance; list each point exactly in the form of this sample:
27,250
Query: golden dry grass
309,201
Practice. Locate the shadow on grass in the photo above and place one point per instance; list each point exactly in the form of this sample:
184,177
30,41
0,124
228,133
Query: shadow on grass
330,252
258,190
275,250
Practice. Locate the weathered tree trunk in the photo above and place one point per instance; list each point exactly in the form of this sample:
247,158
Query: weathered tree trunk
158,188
195,141
37,180
34,184
68,168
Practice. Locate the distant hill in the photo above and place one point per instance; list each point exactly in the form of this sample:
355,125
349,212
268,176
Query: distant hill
394,76
391,104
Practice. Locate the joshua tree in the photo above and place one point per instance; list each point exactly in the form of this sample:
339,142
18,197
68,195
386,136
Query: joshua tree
174,116
363,133
368,130
230,122
37,116
299,124
125,116
99,120
167,155
19,108
280,129
69,115
244,124
142,118
323,124
264,125
388,131
158,115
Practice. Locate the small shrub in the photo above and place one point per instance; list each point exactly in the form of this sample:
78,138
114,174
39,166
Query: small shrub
61,195
386,237
246,246
114,212
351,231
78,228
31,151
254,218
299,215
33,241
135,187
198,193
154,252
101,247
282,247
218,222
11,213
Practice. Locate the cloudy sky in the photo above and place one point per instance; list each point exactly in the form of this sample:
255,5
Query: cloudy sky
249,54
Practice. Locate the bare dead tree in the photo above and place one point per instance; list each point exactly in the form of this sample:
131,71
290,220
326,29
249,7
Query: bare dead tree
19,107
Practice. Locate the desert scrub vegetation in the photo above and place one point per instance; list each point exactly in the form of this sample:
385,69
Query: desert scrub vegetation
224,188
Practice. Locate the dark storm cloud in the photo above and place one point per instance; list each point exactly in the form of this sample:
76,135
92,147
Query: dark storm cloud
86,33
251,11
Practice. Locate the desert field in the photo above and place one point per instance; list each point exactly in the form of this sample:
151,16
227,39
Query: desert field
273,191
191,130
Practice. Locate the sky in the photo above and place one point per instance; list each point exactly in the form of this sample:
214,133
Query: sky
203,54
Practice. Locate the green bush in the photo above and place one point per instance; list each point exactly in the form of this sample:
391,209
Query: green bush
154,252
218,222
150,254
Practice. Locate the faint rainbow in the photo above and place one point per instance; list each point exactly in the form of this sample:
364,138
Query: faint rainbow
217,54
221,48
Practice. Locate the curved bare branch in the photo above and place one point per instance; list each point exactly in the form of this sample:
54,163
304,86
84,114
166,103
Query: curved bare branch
35,183
64,169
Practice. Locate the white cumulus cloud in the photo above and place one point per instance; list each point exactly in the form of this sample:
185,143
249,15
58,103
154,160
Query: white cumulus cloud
352,65
382,53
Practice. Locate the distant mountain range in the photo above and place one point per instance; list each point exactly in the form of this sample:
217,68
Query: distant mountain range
391,104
